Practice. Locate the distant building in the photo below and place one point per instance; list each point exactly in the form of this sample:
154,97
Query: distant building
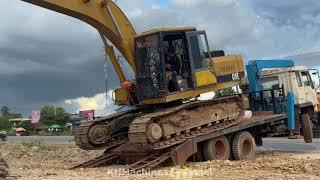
40,127
17,121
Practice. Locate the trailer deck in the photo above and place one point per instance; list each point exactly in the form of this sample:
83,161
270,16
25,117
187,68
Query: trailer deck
258,119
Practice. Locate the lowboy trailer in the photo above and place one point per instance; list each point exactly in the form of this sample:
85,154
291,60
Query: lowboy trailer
236,142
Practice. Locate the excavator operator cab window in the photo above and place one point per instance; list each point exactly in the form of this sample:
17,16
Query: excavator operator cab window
198,45
174,44
177,64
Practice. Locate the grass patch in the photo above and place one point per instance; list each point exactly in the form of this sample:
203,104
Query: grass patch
38,145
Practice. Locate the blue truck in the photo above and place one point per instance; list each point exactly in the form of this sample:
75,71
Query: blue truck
282,87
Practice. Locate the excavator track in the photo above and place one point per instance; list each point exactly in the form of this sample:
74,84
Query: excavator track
184,122
102,133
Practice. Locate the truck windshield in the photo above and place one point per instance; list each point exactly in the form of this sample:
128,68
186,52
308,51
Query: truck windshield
270,82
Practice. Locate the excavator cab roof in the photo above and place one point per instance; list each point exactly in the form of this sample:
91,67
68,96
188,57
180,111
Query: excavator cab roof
165,30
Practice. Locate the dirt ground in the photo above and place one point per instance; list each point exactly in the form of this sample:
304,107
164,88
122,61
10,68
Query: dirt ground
29,161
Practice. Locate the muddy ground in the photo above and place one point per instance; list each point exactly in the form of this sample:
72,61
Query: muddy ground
38,161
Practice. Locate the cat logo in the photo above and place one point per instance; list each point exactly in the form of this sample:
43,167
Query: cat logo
235,76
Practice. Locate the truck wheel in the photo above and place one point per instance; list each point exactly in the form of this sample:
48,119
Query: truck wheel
306,128
217,149
243,146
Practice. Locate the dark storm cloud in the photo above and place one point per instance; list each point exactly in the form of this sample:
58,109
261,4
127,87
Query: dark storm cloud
41,69
46,58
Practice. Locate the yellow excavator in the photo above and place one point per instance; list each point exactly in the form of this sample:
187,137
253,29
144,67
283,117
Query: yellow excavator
165,110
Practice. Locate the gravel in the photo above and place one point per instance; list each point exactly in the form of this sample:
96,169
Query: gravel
30,161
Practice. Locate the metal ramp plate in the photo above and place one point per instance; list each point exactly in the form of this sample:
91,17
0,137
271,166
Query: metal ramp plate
103,159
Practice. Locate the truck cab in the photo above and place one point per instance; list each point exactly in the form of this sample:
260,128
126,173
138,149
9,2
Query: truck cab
273,82
296,79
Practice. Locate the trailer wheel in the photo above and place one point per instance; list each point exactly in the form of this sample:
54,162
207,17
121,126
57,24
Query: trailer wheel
306,128
217,149
243,146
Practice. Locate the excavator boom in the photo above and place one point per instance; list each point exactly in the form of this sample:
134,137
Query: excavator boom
105,16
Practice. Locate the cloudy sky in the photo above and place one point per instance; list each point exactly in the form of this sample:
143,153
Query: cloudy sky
48,58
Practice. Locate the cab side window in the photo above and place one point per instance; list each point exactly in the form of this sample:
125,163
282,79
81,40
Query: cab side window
306,79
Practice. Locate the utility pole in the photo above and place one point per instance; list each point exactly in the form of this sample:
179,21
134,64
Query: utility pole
106,78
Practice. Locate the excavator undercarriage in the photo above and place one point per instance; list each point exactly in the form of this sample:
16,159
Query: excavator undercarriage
161,128
147,138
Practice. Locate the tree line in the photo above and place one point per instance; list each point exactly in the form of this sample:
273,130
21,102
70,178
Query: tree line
50,115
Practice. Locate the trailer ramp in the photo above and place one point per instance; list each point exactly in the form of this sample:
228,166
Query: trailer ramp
101,160
178,154
148,163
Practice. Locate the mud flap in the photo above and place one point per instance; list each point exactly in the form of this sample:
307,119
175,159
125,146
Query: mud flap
180,154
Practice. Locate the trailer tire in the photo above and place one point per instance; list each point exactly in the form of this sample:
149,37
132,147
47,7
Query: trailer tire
217,149
306,128
243,146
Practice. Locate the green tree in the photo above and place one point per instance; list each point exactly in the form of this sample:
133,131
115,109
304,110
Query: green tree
4,111
26,125
225,92
5,124
53,115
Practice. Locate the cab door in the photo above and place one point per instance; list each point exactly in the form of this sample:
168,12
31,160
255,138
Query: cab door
198,46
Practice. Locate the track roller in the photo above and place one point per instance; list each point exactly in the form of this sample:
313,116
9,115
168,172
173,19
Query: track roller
217,149
243,146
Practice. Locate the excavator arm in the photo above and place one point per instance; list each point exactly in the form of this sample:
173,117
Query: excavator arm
107,18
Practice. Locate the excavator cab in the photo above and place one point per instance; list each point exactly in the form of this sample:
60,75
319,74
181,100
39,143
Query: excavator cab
191,49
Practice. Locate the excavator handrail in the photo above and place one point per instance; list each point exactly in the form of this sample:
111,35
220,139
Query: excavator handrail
105,16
